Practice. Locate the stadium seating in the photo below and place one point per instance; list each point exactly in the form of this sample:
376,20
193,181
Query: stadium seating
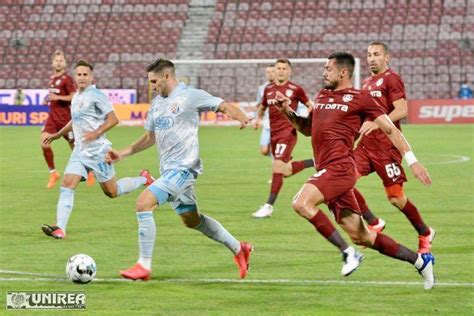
432,41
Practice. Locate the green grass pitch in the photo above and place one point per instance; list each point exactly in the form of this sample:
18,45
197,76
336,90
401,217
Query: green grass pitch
294,270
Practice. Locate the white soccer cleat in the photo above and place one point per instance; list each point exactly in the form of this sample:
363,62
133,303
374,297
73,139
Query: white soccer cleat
352,259
265,210
424,265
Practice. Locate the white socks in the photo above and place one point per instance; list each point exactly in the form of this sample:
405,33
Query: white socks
127,185
214,230
64,207
146,237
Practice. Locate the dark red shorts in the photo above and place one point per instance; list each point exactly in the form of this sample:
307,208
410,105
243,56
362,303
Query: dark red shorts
336,183
387,164
282,146
52,126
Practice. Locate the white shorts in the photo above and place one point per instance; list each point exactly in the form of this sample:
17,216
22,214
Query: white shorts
103,171
265,137
177,187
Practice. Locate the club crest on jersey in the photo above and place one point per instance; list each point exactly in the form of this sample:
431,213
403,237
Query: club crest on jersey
347,97
379,82
174,108
57,82
331,100
289,93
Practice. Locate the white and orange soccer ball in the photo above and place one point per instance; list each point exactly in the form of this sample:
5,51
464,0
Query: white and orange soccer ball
81,268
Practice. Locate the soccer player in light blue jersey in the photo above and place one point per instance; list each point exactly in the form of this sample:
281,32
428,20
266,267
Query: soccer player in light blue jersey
265,122
92,116
172,124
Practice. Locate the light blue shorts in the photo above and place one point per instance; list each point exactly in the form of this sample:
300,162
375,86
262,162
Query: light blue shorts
177,187
265,137
103,171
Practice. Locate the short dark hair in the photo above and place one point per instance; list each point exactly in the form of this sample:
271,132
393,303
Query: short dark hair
344,59
384,45
159,65
283,61
58,52
84,63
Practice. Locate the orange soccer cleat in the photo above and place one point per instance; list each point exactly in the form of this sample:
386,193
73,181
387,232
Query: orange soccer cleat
242,259
90,179
53,178
137,272
149,178
53,231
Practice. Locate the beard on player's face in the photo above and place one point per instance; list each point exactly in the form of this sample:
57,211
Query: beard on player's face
331,84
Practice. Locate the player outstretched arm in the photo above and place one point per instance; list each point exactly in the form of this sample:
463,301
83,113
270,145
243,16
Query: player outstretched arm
399,141
302,124
111,120
63,131
146,141
234,113
399,112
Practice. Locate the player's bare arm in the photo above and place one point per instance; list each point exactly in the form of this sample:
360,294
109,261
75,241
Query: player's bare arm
399,141
309,105
144,142
302,124
234,113
399,112
110,121
258,119
63,131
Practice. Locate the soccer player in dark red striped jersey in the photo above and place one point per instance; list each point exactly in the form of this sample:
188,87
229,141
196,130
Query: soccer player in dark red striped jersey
337,116
61,89
375,151
283,135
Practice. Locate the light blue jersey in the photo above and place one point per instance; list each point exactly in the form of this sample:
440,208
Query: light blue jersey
175,121
89,109
266,117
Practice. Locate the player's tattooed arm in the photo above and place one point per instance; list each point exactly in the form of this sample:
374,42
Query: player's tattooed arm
302,124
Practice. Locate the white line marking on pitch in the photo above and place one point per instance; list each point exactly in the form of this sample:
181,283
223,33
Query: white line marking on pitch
42,277
452,159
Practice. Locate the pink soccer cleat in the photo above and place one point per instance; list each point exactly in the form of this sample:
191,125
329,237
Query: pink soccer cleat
137,272
53,231
149,178
379,227
242,259
424,242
